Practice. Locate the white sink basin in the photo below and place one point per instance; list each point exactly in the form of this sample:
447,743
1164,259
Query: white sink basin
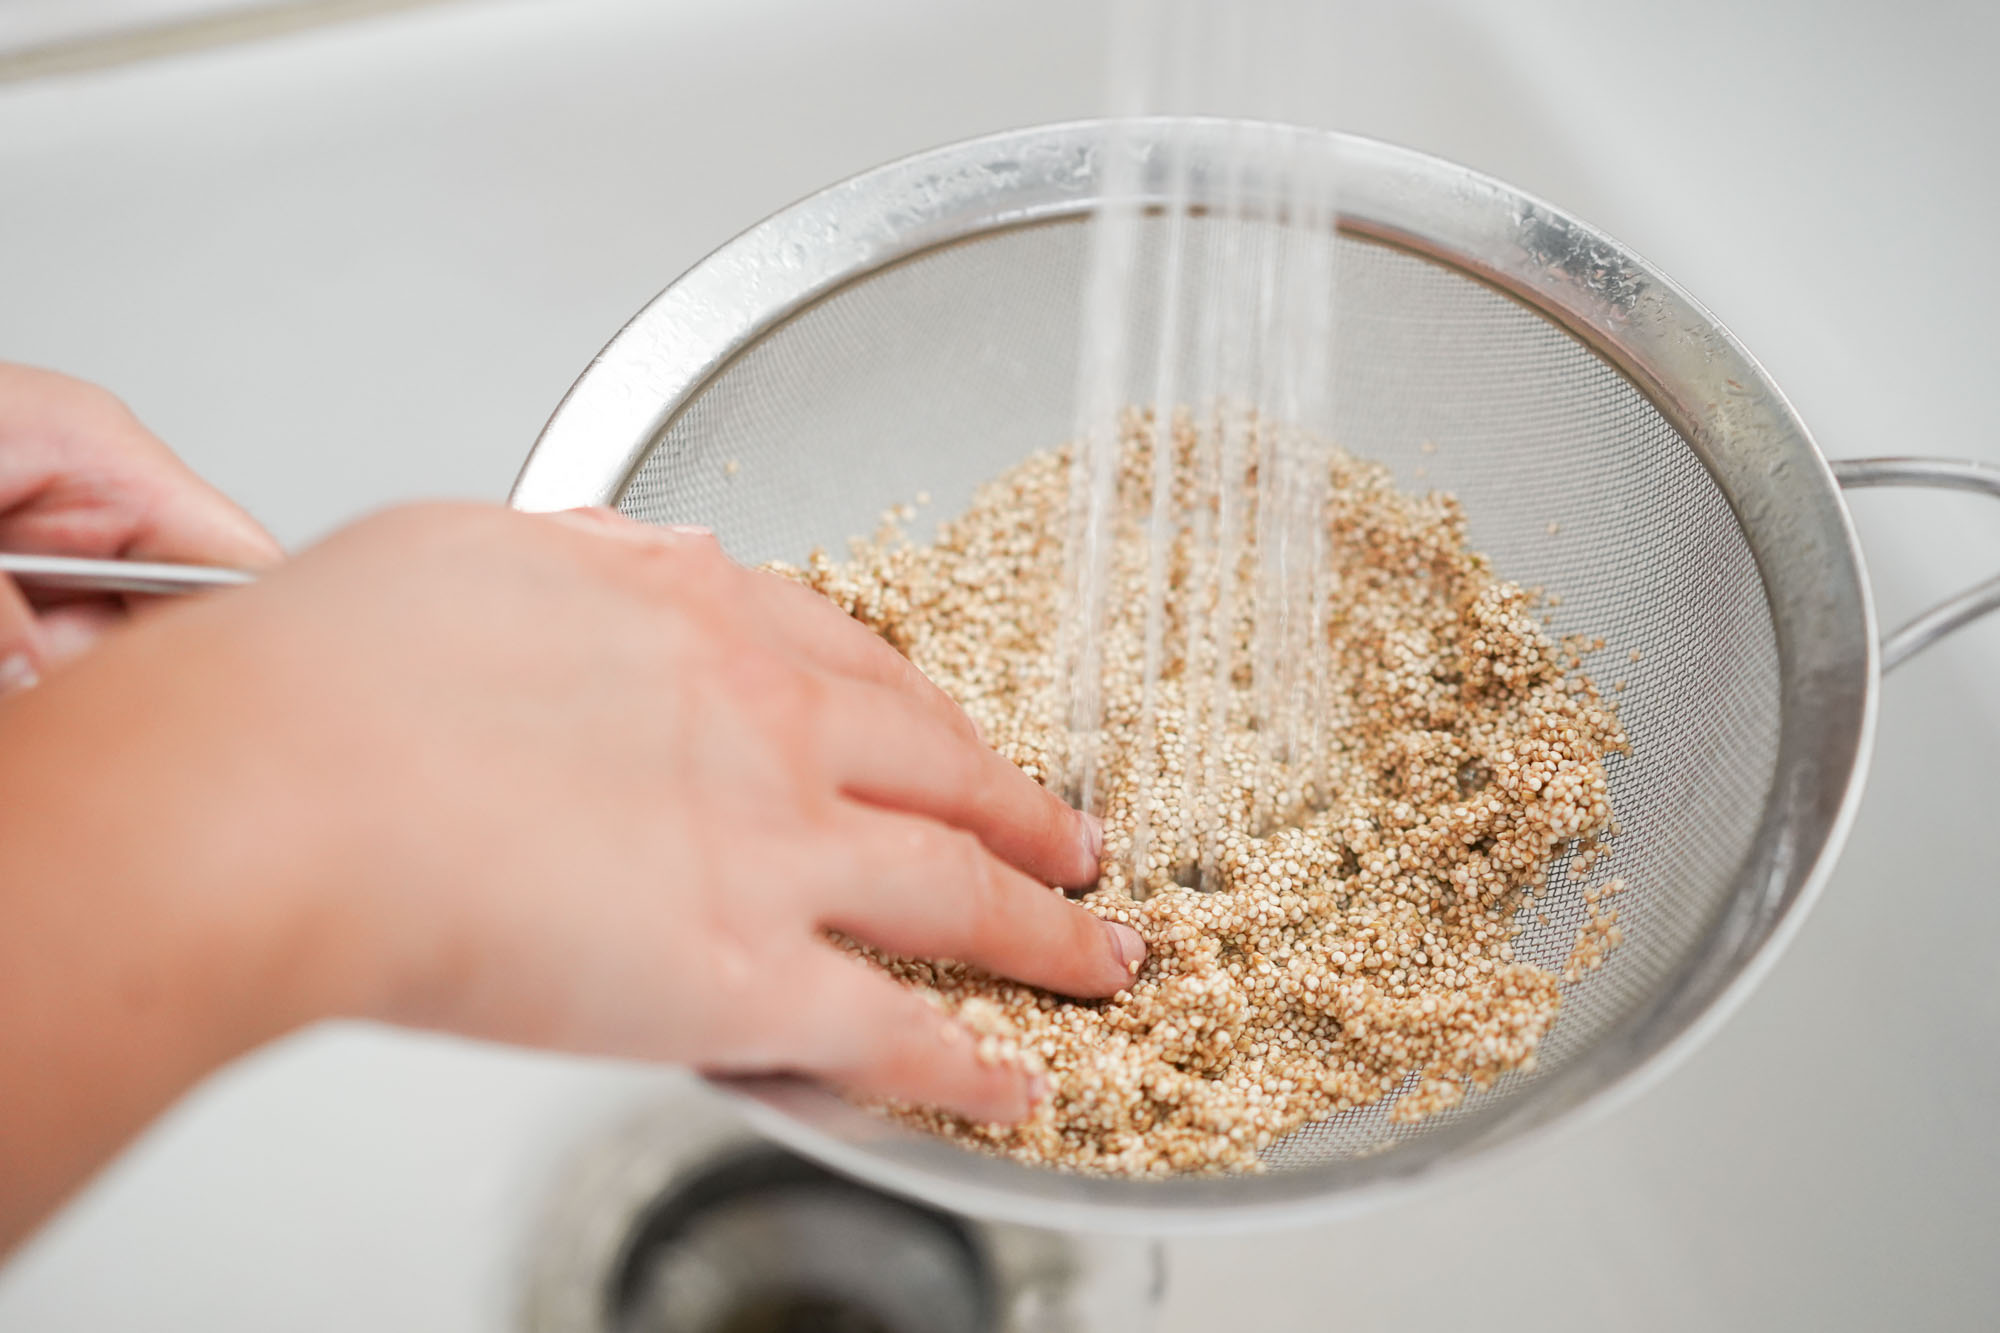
361,263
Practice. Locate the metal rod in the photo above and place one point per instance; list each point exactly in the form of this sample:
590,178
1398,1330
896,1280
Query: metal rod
126,576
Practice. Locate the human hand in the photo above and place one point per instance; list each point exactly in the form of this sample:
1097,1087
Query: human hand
79,475
574,783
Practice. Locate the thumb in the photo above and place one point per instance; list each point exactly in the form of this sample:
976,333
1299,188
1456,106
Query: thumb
21,656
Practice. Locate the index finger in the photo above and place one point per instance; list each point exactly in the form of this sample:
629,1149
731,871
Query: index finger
186,519
856,1027
920,890
809,625
836,641
887,750
91,479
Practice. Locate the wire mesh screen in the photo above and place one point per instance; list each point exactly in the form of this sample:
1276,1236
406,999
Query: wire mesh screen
937,373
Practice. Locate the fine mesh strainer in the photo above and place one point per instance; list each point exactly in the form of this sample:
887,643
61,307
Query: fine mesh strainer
916,329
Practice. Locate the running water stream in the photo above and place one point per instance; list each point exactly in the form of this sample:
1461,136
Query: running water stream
1207,361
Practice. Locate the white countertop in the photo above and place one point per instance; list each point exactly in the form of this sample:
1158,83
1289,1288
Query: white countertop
361,263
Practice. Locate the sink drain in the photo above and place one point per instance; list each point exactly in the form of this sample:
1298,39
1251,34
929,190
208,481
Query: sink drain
680,1221
764,1242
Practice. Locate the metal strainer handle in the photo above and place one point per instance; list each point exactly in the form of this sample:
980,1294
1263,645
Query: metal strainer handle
1936,474
76,574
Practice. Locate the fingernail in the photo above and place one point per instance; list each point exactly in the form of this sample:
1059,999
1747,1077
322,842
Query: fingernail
1126,946
17,672
1033,1090
1093,837
599,521
611,523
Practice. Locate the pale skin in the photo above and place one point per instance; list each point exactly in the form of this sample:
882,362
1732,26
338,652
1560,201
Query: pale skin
561,781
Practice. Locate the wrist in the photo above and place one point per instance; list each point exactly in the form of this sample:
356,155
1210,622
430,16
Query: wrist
151,822
147,940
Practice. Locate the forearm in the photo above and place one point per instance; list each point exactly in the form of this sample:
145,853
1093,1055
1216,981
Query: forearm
138,952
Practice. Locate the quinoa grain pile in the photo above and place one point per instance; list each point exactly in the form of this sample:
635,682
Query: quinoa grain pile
1322,923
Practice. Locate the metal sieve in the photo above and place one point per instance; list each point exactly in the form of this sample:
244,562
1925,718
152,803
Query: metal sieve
916,329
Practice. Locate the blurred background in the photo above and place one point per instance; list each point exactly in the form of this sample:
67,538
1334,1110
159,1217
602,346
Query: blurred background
343,253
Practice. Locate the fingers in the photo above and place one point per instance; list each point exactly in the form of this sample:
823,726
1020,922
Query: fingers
887,751
183,518
877,1038
890,737
21,654
87,477
195,524
921,890
807,624
831,639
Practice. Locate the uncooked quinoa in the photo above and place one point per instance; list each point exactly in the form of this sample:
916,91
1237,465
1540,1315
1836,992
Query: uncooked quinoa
1322,922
